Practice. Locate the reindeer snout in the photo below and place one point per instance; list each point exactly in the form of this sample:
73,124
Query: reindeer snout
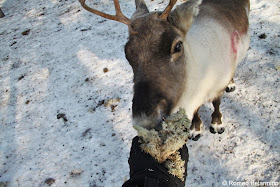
149,105
162,109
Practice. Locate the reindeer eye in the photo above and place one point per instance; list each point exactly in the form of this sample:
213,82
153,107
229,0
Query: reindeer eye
178,47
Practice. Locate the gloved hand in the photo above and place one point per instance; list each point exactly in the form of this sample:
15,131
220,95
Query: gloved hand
145,171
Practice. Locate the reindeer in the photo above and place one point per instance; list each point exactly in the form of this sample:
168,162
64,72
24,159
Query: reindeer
183,57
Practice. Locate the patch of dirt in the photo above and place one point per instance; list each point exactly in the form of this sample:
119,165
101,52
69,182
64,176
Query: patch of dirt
262,36
49,181
26,32
76,173
63,116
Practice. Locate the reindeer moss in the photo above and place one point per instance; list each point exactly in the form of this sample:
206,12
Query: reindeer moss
163,145
175,165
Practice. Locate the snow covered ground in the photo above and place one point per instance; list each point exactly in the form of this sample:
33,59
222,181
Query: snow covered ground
66,96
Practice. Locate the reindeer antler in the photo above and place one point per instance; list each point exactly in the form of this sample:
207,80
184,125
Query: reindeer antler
167,10
118,17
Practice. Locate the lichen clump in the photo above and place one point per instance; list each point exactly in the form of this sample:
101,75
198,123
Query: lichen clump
164,144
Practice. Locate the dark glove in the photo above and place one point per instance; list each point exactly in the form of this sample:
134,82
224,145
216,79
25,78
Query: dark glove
145,171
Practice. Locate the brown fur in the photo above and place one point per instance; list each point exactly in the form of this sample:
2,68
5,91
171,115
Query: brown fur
159,66
159,75
182,16
150,53
229,12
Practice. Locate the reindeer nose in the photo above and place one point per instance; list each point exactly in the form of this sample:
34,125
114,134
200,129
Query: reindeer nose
162,109
149,105
148,100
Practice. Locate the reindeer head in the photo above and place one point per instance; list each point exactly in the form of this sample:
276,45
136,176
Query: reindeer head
157,52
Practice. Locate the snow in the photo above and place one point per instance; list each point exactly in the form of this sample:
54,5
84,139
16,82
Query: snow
54,126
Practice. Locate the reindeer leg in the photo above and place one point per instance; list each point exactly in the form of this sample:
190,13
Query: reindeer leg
217,123
196,127
231,86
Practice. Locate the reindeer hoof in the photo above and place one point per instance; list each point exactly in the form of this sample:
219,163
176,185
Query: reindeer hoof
221,130
195,135
212,130
217,128
230,87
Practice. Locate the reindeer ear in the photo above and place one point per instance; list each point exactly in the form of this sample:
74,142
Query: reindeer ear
141,8
182,16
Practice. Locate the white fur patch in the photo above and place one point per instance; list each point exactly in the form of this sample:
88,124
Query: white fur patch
196,8
231,85
194,133
210,65
217,127
209,62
